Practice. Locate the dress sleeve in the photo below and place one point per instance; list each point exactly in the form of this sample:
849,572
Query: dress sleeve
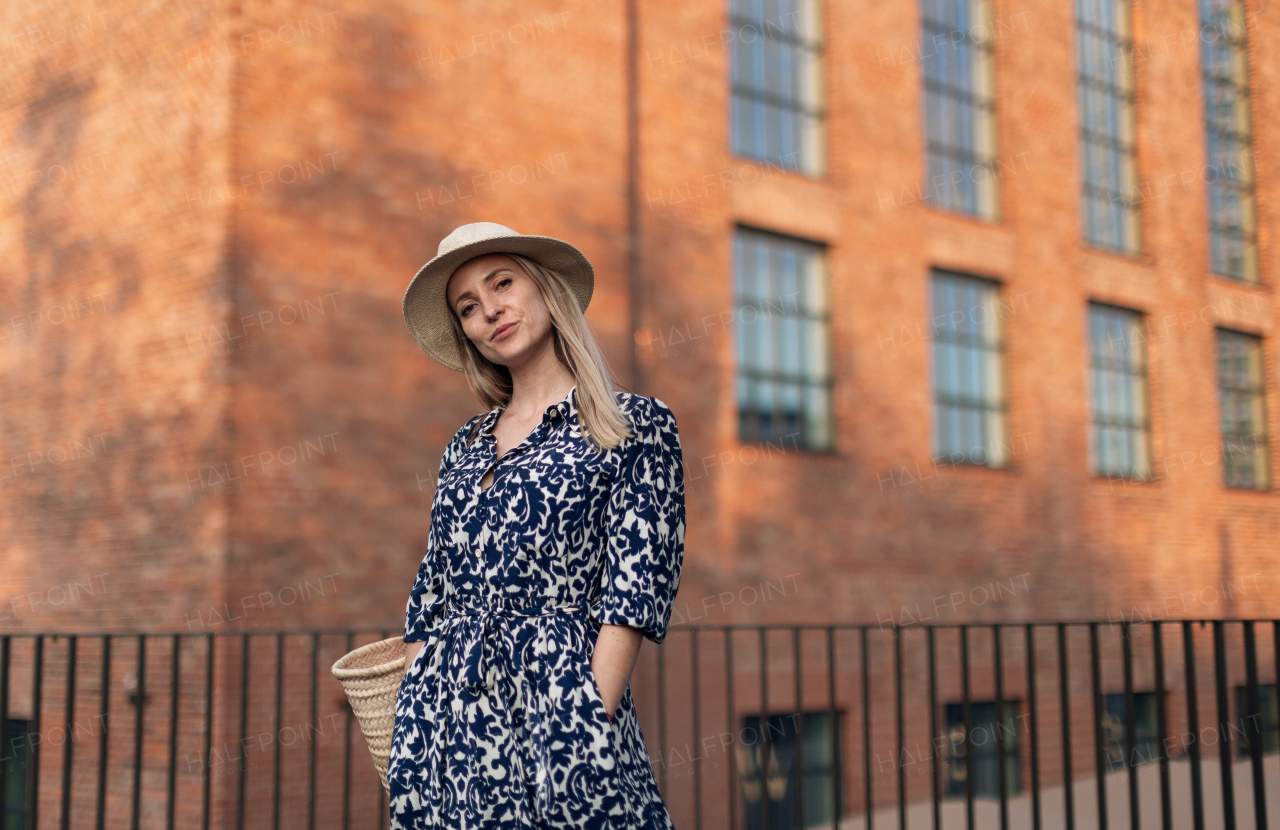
426,600
645,536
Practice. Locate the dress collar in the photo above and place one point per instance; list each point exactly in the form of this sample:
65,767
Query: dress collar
566,409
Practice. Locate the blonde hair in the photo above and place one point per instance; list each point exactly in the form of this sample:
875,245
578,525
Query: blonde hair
599,415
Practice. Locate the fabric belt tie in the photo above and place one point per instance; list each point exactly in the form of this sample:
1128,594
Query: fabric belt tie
476,649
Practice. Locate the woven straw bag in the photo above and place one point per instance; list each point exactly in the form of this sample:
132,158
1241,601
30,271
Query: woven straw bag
371,676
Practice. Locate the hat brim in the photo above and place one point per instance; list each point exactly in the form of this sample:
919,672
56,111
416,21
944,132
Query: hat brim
426,308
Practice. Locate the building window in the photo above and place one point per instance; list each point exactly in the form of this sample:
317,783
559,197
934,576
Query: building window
1109,167
1264,723
1242,396
787,771
1119,429
17,761
1146,743
982,732
959,106
777,83
969,409
1233,228
783,369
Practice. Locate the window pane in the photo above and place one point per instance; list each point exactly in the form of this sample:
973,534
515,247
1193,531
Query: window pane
979,749
782,340
1263,722
776,59
771,760
1119,420
17,761
958,106
1107,142
968,378
1242,406
1146,745
1229,140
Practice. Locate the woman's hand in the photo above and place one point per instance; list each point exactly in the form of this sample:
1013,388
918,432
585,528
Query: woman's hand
411,651
612,661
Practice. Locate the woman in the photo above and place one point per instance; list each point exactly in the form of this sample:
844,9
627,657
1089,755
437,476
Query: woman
556,543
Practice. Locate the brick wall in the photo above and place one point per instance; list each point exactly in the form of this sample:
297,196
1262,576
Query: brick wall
214,419
111,274
208,360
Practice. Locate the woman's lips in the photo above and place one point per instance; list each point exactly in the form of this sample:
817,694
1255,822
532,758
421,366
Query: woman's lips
505,330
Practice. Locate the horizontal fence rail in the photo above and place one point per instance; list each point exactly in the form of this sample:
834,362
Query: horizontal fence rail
1119,724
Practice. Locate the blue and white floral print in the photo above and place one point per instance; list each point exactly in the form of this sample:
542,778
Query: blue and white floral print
499,721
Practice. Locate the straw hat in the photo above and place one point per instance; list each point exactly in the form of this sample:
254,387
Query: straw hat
426,308
371,677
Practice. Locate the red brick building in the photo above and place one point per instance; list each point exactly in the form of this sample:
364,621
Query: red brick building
947,329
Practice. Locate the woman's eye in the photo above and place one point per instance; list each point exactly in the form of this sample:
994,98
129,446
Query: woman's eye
503,281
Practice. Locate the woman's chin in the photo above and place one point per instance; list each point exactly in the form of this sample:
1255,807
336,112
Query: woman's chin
505,354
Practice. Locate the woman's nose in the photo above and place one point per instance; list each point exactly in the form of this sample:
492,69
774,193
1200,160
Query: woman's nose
487,307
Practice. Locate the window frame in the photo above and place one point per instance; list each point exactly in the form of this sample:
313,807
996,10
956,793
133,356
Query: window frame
1268,729
1121,118
802,771
1003,440
1146,735
1148,441
18,733
1260,396
819,168
953,785
976,108
826,384
1251,269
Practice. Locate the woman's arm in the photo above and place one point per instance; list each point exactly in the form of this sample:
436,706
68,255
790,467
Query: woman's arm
612,661
411,651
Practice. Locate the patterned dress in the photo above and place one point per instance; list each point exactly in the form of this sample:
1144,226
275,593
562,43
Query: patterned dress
499,720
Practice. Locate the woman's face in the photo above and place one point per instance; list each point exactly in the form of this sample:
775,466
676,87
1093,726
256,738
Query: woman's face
500,307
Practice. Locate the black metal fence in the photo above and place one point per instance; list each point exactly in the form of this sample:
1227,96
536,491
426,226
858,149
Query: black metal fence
1130,723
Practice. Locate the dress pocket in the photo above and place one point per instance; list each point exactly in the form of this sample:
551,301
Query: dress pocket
594,690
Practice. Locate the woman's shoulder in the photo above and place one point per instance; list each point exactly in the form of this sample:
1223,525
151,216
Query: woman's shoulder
461,439
649,416
466,426
463,435
642,405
